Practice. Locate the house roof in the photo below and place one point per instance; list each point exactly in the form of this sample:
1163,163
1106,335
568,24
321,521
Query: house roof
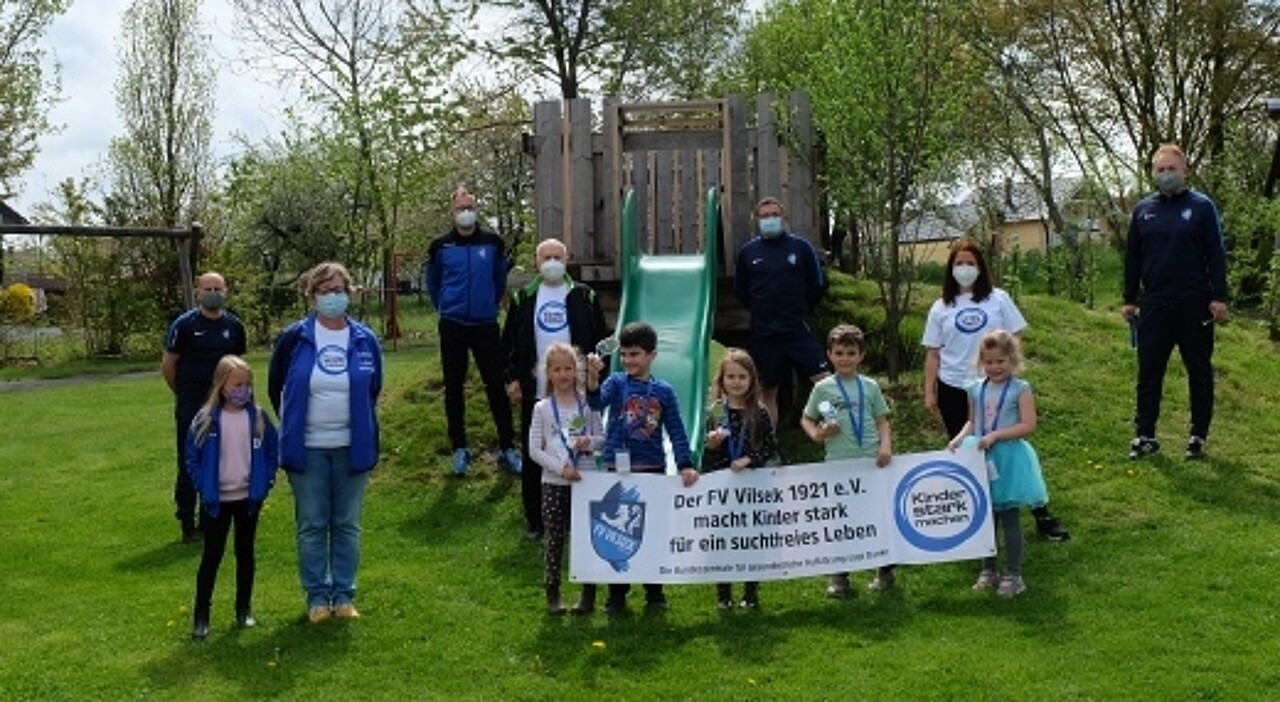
1015,202
8,215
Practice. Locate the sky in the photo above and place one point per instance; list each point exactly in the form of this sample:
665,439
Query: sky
82,40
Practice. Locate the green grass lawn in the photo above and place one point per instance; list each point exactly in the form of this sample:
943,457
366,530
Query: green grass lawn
1166,591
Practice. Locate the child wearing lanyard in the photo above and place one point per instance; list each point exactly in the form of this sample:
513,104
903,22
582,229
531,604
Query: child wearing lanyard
846,412
563,435
739,436
640,407
1002,411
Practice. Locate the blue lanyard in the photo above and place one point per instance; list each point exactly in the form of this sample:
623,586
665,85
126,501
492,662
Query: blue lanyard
555,412
737,439
982,406
855,419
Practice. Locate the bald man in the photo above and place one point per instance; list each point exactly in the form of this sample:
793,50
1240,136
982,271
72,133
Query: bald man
552,307
196,341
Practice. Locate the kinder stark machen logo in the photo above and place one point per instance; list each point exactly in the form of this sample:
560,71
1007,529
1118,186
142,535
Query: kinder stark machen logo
939,505
617,525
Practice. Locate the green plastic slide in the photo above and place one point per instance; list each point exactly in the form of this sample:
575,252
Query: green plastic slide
676,295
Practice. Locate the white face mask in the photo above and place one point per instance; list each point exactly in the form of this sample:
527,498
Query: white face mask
465,218
965,274
552,270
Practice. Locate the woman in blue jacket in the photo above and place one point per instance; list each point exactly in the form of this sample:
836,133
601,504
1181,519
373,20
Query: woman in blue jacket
230,455
324,380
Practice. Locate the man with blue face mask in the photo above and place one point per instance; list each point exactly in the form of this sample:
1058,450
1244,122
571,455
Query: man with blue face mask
1175,290
197,339
553,307
780,280
466,272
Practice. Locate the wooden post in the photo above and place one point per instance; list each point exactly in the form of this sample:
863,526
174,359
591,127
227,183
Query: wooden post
735,204
579,196
547,184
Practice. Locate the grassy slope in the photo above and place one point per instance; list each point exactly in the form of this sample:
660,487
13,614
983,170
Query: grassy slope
1166,591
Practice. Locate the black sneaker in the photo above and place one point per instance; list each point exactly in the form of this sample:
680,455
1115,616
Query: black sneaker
1142,446
1049,527
1195,449
656,605
615,606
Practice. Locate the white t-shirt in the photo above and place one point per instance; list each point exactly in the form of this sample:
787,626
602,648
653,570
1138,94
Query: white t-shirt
956,330
329,403
550,324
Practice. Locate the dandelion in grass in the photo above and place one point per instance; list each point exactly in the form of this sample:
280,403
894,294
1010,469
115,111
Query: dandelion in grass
597,645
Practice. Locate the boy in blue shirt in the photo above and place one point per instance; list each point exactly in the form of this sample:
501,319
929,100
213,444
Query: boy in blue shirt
640,408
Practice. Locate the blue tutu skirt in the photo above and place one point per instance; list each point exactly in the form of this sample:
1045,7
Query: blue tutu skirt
1020,483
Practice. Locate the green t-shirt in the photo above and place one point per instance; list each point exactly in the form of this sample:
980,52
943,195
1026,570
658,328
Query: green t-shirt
845,443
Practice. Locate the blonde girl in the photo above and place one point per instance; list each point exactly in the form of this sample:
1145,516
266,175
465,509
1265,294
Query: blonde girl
739,436
563,435
231,454
1002,412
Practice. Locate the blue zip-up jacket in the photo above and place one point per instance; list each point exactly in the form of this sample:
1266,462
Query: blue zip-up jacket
467,276
639,410
779,280
289,385
204,457
1175,252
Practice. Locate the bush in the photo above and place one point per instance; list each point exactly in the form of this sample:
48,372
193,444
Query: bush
17,304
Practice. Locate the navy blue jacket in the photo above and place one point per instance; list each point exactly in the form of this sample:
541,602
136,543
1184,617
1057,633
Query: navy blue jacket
467,276
780,280
203,459
289,385
1175,252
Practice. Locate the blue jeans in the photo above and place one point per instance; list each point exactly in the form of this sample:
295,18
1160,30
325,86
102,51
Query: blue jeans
327,498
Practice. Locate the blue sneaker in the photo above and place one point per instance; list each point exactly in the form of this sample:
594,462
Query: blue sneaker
510,459
461,461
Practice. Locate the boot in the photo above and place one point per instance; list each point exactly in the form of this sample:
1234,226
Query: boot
586,602
200,625
555,606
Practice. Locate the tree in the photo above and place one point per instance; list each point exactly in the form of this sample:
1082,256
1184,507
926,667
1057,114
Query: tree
28,92
637,48
161,166
888,80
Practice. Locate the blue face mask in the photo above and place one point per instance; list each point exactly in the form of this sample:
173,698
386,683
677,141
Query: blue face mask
770,227
1169,182
332,304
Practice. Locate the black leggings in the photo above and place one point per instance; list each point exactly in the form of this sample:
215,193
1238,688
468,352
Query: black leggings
245,516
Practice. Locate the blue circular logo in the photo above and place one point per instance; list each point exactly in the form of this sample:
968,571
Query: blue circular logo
939,505
971,320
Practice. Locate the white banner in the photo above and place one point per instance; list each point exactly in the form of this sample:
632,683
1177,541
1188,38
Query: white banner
785,522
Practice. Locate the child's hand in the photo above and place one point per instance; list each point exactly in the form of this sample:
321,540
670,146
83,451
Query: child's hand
594,365
986,441
582,443
714,439
826,430
882,458
689,476
741,463
570,473
952,445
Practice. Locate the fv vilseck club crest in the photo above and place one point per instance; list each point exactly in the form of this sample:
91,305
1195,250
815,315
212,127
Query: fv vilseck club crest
617,525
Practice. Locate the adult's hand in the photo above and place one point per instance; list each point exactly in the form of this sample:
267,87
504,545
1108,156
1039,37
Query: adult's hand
1218,311
1128,311
513,390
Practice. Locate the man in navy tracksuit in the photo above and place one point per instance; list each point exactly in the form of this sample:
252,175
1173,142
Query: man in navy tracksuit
1176,258
779,278
466,279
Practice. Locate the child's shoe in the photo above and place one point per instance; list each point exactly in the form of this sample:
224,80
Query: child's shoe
838,586
724,596
987,579
1142,446
200,627
586,602
750,596
883,581
1011,586
1195,448
461,461
510,460
319,613
615,605
656,604
245,620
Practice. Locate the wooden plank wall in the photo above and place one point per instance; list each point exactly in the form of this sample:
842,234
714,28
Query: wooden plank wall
580,176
